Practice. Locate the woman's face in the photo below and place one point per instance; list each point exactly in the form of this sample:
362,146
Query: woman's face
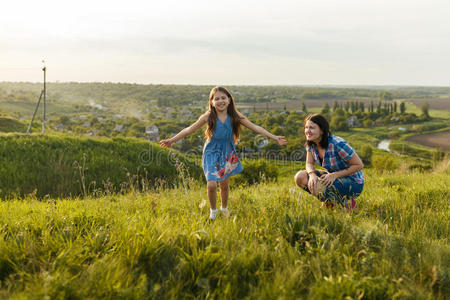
220,101
313,132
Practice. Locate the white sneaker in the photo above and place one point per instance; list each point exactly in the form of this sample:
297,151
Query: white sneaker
225,212
212,213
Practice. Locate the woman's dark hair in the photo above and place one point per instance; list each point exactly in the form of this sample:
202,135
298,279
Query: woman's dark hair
323,124
212,119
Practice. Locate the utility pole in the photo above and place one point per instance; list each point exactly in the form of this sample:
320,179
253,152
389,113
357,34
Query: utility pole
45,99
43,93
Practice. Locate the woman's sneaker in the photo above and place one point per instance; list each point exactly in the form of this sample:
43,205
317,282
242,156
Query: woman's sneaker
328,204
350,205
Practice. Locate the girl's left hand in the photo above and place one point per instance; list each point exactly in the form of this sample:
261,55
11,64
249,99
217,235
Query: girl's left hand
281,140
165,143
328,179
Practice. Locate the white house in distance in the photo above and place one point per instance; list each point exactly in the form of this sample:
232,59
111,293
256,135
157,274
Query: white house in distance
152,133
352,121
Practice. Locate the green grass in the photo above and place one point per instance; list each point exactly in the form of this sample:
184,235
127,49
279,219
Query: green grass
12,125
279,243
434,113
62,166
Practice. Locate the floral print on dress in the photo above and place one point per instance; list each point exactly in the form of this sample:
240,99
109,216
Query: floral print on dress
231,163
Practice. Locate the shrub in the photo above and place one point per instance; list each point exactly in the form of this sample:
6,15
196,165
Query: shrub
384,163
368,123
338,123
366,154
255,171
438,155
419,167
394,135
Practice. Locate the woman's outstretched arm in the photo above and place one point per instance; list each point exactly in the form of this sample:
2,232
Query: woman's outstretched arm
186,131
258,129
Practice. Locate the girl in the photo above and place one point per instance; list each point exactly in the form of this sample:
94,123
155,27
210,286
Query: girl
220,160
343,179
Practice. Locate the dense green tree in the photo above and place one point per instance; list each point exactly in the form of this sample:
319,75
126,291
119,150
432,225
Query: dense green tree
338,123
65,120
335,105
425,107
325,109
402,107
304,109
339,112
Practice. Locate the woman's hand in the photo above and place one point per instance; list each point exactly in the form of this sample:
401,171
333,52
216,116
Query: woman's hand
313,181
281,140
328,179
165,143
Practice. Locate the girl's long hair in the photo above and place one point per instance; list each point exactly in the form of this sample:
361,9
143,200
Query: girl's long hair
231,110
323,124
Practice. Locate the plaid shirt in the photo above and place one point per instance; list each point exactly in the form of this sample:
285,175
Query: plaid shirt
336,156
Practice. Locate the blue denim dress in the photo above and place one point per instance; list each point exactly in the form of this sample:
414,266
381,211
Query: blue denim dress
220,159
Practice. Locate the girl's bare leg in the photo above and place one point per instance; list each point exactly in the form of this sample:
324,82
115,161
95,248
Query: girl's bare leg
224,192
211,187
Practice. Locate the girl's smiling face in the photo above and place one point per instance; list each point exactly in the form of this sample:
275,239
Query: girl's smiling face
313,132
220,101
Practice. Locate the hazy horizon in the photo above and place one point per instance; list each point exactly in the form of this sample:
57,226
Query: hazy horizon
380,86
320,43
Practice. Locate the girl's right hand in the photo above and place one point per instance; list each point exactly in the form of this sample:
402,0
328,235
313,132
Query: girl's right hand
165,143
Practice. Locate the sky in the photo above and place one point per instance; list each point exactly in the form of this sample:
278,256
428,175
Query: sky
233,42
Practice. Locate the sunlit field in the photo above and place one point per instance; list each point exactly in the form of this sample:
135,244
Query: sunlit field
278,242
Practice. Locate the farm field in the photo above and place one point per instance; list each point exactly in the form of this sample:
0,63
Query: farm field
437,140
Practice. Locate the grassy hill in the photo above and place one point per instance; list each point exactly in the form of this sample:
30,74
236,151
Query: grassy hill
278,243
61,166
12,125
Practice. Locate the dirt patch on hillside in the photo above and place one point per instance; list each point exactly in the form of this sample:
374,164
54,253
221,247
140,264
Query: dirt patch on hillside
437,140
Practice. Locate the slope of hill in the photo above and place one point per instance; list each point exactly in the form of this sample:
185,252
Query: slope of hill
67,166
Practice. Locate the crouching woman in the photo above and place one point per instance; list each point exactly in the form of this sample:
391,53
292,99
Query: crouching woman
343,179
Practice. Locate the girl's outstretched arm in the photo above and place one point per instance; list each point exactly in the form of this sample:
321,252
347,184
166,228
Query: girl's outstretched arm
258,129
186,131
